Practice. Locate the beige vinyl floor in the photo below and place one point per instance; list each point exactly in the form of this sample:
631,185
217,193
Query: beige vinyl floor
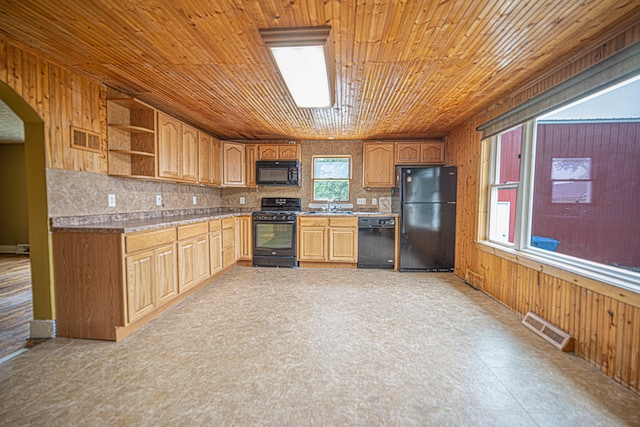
317,347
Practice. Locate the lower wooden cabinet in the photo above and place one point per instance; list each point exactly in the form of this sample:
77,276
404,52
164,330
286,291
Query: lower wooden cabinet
166,273
245,242
109,284
330,240
228,242
193,255
141,294
151,280
343,243
215,246
312,239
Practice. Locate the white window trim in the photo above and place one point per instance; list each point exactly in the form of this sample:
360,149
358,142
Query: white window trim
313,174
521,250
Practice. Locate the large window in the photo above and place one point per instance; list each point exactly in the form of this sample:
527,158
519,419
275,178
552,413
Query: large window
331,178
566,185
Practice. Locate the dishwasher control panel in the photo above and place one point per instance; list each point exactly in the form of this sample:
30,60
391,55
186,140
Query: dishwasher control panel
376,222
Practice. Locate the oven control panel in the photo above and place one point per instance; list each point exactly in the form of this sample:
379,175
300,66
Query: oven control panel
270,216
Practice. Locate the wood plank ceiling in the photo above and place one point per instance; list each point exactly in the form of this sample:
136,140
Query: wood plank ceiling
404,68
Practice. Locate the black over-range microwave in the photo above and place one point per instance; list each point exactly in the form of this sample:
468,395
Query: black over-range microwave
278,172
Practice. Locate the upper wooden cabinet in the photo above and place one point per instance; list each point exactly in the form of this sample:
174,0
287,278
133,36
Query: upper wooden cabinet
169,152
177,149
250,156
233,164
131,138
189,159
420,153
279,152
378,164
209,165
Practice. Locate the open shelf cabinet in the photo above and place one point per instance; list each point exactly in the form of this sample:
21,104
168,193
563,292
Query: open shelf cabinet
131,138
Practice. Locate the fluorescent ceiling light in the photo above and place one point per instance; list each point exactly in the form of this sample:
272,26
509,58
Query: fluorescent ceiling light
301,56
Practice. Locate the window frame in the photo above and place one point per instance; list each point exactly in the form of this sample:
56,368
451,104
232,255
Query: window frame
313,175
521,250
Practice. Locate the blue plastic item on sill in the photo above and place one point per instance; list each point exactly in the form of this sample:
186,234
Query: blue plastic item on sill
546,243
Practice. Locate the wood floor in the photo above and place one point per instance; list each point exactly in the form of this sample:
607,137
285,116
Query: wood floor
16,307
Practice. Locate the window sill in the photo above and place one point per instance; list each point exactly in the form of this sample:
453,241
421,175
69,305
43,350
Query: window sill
618,288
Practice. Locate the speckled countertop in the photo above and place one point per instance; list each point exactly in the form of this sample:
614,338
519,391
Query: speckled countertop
133,223
141,222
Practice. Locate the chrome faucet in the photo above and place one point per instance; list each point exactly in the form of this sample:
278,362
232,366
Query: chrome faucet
333,208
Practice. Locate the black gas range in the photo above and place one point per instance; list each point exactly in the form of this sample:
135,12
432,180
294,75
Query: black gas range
274,232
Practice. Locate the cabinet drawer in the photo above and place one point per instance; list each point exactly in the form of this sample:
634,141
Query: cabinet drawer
215,225
228,222
312,221
343,222
149,239
192,230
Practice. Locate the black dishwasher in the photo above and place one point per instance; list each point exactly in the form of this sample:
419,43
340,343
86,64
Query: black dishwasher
376,242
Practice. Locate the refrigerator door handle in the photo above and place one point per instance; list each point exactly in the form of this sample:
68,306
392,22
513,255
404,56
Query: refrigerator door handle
451,203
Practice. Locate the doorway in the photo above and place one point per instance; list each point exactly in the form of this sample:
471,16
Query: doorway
42,323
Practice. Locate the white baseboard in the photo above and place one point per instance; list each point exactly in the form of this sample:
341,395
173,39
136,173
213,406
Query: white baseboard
43,329
8,249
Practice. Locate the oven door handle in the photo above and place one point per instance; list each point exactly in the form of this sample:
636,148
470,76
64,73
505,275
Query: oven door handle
273,222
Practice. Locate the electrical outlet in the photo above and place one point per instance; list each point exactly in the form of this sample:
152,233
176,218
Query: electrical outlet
361,201
242,200
374,201
158,200
195,200
111,200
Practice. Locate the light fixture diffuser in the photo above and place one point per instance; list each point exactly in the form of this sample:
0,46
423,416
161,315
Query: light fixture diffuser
302,57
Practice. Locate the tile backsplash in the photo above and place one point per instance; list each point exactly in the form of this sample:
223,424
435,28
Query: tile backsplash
71,193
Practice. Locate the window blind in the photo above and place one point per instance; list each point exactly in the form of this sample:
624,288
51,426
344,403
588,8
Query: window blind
615,69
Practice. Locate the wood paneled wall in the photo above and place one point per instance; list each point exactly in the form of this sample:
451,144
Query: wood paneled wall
62,99
604,320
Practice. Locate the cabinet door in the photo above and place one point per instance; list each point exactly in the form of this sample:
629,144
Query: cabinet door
251,153
378,165
288,152
343,244
233,164
228,242
202,265
169,135
186,264
268,152
432,152
216,161
246,250
215,251
311,244
407,153
166,270
204,158
141,295
189,163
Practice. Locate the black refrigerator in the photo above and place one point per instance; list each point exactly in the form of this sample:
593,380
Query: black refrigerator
425,199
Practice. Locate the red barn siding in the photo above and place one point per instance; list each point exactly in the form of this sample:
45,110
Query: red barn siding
607,230
510,148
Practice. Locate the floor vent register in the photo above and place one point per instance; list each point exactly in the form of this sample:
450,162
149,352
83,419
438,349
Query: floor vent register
554,335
